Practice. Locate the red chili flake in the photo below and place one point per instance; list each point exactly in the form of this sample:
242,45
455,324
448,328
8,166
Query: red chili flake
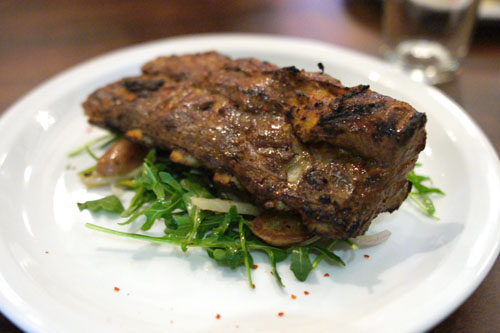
218,316
253,286
326,275
255,266
46,252
306,292
271,273
294,297
117,289
131,97
281,314
366,256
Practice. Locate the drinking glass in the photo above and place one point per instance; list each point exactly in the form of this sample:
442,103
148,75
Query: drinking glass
428,39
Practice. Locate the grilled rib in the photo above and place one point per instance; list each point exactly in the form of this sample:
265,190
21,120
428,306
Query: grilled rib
293,140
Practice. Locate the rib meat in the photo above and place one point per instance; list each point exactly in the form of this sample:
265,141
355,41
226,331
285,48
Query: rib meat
294,140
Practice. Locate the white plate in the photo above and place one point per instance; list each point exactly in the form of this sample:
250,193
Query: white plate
411,282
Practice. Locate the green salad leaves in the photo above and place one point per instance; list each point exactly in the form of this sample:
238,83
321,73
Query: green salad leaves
163,193
421,194
109,204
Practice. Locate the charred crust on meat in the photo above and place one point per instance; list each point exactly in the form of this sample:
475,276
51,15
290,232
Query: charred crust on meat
388,128
168,124
232,68
355,91
178,77
324,199
291,70
309,211
138,85
410,186
385,128
255,91
353,227
301,94
316,179
342,111
374,179
289,113
337,218
144,94
416,122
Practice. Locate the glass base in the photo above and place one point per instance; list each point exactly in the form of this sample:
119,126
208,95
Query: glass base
424,61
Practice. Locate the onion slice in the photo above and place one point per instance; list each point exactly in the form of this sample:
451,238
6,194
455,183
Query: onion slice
223,206
94,179
371,240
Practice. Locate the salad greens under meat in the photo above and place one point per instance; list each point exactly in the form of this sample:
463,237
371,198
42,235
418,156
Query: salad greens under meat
196,214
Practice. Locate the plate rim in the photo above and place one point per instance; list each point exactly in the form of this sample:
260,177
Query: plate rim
12,114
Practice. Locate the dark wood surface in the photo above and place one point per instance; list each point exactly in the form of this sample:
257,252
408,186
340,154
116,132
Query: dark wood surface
40,38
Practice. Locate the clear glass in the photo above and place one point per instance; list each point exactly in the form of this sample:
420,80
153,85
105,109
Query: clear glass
428,38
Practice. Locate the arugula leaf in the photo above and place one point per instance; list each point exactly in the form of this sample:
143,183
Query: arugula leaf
152,181
195,215
89,144
274,257
247,257
160,209
113,139
231,256
420,193
178,225
229,217
110,204
197,189
326,253
171,181
91,153
139,199
301,263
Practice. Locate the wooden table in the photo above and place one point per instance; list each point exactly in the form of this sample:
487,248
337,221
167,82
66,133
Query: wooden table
40,38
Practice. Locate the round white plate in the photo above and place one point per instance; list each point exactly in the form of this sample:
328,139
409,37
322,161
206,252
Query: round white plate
58,276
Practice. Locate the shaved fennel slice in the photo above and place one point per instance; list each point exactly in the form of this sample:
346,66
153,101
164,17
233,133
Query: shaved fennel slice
371,240
223,206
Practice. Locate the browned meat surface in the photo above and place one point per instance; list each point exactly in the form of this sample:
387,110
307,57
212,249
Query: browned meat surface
293,140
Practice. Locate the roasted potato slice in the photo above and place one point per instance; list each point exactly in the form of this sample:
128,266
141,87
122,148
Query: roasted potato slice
280,229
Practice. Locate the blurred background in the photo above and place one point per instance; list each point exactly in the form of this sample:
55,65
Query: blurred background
38,39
